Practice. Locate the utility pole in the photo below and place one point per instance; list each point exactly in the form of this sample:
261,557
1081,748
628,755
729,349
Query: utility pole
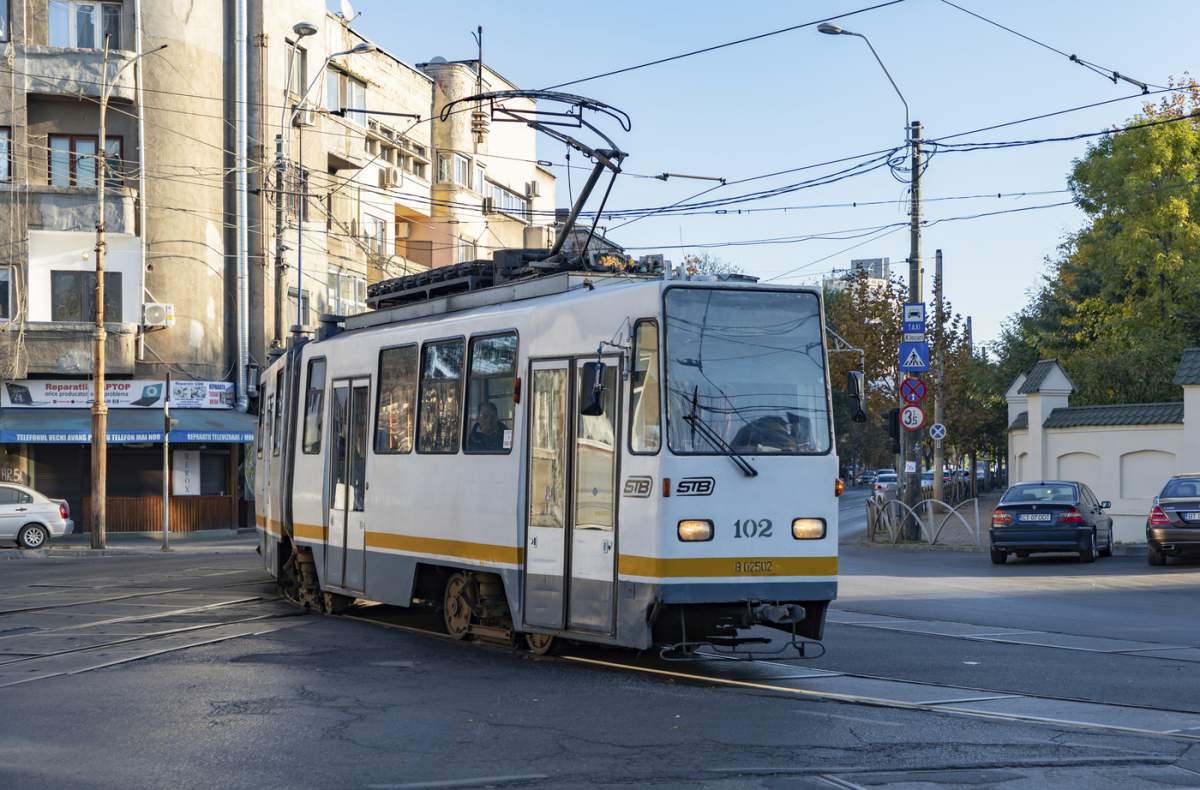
280,266
99,407
910,440
166,496
939,337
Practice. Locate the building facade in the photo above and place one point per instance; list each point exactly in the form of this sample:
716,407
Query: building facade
257,174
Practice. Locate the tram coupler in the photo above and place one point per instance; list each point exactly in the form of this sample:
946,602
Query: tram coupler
778,614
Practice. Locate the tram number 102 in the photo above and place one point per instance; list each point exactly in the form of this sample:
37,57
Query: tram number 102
751,528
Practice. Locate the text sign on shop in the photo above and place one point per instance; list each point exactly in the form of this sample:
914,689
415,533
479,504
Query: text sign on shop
185,473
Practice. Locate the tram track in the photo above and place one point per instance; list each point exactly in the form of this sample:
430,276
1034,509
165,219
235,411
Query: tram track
868,690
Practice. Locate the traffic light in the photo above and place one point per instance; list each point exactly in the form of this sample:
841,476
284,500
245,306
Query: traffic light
892,423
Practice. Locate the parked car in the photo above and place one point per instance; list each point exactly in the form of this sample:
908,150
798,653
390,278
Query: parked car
885,484
1173,526
32,519
1051,516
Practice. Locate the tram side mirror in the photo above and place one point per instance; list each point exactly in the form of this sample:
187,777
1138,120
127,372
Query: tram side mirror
592,389
858,390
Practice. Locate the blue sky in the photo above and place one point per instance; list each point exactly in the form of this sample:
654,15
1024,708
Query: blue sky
802,97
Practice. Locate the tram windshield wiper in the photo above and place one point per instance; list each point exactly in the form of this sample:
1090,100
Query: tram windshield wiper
715,439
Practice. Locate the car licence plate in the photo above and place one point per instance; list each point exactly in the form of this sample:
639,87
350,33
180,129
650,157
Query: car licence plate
1036,517
1190,516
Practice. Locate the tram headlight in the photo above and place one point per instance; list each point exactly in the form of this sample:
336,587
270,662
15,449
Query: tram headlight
695,529
808,528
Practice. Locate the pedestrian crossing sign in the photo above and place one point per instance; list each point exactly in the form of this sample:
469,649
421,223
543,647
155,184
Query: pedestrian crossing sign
914,357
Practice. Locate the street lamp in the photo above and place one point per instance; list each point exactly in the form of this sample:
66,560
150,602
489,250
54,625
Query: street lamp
99,407
915,275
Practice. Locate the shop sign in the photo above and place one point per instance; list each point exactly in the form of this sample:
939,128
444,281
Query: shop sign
128,394
185,473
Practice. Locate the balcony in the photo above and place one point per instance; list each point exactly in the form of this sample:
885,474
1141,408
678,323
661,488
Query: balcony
64,71
74,208
64,348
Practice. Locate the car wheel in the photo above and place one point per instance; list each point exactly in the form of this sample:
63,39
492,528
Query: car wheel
999,557
33,536
1090,551
1107,550
1154,555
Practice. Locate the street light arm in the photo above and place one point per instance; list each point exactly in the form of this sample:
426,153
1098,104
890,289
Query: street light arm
112,83
887,73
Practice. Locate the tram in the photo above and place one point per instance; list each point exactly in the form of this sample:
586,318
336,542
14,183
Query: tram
630,460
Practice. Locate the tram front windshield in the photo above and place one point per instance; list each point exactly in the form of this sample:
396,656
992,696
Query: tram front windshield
750,366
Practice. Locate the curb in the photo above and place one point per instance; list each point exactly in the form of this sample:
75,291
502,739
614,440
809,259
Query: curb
1119,549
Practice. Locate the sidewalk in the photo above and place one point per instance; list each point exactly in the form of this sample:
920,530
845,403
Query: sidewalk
127,544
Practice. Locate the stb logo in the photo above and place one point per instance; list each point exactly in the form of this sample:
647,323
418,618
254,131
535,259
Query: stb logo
695,486
638,487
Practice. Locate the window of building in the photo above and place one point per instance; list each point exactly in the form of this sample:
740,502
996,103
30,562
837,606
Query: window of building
73,296
464,250
490,407
397,400
645,432
356,101
4,21
508,202
444,174
333,90
480,182
304,316
84,25
214,473
5,292
314,402
298,68
6,158
462,170
375,235
346,294
440,407
73,160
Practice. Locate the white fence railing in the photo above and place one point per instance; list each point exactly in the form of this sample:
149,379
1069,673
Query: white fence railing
888,519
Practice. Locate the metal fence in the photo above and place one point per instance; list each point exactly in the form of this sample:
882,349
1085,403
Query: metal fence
888,519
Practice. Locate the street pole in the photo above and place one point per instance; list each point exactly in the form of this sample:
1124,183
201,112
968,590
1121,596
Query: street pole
99,407
166,495
301,187
280,267
939,374
910,440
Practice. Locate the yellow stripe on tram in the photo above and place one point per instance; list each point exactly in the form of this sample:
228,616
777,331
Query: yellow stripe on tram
697,567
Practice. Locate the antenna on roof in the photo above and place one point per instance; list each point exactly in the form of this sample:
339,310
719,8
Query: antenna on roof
347,11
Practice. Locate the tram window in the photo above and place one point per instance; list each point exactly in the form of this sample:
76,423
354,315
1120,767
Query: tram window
360,404
314,401
397,393
276,433
441,396
645,432
490,405
264,410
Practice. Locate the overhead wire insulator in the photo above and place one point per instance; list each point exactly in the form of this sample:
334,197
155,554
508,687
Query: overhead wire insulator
480,122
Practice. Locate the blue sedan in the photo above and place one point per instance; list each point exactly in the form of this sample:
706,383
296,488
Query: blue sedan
1051,516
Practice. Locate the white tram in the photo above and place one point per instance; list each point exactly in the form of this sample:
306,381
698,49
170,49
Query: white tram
627,460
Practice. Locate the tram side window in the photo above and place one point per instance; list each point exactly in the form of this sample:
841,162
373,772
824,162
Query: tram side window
441,396
264,423
276,433
397,396
314,401
490,405
645,433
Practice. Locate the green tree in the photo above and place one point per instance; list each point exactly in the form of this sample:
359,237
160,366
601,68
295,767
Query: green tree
1120,301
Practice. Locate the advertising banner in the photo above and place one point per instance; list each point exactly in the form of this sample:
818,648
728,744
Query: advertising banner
129,394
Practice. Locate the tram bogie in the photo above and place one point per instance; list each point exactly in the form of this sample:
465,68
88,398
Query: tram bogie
622,460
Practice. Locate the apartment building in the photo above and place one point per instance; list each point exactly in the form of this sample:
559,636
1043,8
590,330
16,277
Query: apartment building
204,277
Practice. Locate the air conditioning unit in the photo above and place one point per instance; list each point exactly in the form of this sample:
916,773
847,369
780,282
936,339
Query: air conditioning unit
389,177
158,316
489,206
539,237
306,116
532,189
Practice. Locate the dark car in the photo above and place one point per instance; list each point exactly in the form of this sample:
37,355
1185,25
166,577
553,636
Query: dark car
1051,516
1173,526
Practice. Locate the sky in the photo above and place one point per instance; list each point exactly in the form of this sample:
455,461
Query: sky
801,98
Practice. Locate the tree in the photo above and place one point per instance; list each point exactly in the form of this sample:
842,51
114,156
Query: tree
709,264
1120,301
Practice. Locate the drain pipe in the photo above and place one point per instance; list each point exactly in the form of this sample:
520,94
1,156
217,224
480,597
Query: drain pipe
140,78
243,264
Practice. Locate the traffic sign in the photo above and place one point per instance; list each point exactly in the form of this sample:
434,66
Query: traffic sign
914,317
912,390
914,357
937,431
912,418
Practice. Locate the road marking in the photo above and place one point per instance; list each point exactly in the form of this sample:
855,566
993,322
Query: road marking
479,781
109,599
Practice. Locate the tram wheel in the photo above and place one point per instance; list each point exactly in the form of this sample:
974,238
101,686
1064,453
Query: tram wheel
456,607
540,644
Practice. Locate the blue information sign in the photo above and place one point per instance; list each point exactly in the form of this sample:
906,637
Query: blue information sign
914,357
914,317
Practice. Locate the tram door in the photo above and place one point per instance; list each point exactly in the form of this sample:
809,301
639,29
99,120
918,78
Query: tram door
570,535
345,548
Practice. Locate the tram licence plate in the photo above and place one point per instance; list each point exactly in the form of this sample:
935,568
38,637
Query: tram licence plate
1035,517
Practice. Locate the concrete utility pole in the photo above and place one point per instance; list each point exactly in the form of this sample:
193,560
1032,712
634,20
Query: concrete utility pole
939,372
98,527
910,440
166,503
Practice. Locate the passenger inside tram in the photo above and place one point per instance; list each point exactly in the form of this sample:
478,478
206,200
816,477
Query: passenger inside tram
488,431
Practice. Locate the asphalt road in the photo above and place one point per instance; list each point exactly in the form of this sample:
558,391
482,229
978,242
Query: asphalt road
942,671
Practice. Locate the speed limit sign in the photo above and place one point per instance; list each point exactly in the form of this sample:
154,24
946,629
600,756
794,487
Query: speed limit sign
912,418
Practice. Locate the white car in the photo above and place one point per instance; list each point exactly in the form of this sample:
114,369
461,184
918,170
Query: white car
885,484
32,519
